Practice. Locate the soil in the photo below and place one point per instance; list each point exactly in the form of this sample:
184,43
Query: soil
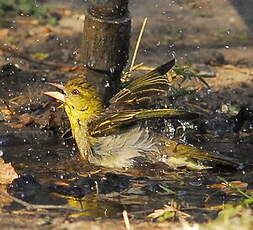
207,35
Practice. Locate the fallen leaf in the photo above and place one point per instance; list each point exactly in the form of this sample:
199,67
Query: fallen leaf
4,33
225,188
40,55
224,108
169,210
18,100
40,30
51,119
7,172
72,69
46,29
64,12
6,114
61,183
4,201
29,21
24,120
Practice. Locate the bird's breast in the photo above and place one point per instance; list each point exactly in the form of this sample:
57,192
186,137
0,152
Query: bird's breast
122,149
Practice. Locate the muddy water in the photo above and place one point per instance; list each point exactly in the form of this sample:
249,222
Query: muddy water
44,167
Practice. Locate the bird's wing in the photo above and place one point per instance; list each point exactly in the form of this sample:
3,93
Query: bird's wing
111,121
142,88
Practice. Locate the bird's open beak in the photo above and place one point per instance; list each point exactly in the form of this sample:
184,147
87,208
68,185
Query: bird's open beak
55,94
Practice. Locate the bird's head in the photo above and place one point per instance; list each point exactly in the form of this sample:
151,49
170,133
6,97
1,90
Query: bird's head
80,100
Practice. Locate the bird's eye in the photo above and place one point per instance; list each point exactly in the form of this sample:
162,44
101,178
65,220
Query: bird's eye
75,92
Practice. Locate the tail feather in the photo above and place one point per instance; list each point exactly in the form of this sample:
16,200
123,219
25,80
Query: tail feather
189,153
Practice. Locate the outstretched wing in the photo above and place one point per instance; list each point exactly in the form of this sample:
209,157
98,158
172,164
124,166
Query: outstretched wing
139,90
112,121
142,88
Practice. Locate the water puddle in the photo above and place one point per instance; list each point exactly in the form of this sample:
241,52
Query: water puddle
52,174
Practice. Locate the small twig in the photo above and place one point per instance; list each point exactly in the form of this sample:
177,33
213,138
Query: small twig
232,67
38,206
137,66
204,82
97,188
207,111
126,220
137,45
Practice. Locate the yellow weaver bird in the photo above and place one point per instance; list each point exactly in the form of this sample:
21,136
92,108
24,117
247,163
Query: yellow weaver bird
111,138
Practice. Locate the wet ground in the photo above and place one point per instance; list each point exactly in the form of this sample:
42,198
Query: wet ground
198,32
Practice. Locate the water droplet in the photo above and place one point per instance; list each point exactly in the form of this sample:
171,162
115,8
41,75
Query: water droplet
107,84
196,183
112,69
181,193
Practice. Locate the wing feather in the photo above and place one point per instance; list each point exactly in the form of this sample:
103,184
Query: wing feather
140,90
152,81
112,121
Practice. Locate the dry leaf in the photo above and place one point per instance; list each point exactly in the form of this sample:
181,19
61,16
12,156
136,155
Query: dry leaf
7,172
4,33
29,21
6,112
48,120
18,100
4,201
172,207
46,29
61,183
40,56
64,12
40,30
24,120
225,188
73,68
